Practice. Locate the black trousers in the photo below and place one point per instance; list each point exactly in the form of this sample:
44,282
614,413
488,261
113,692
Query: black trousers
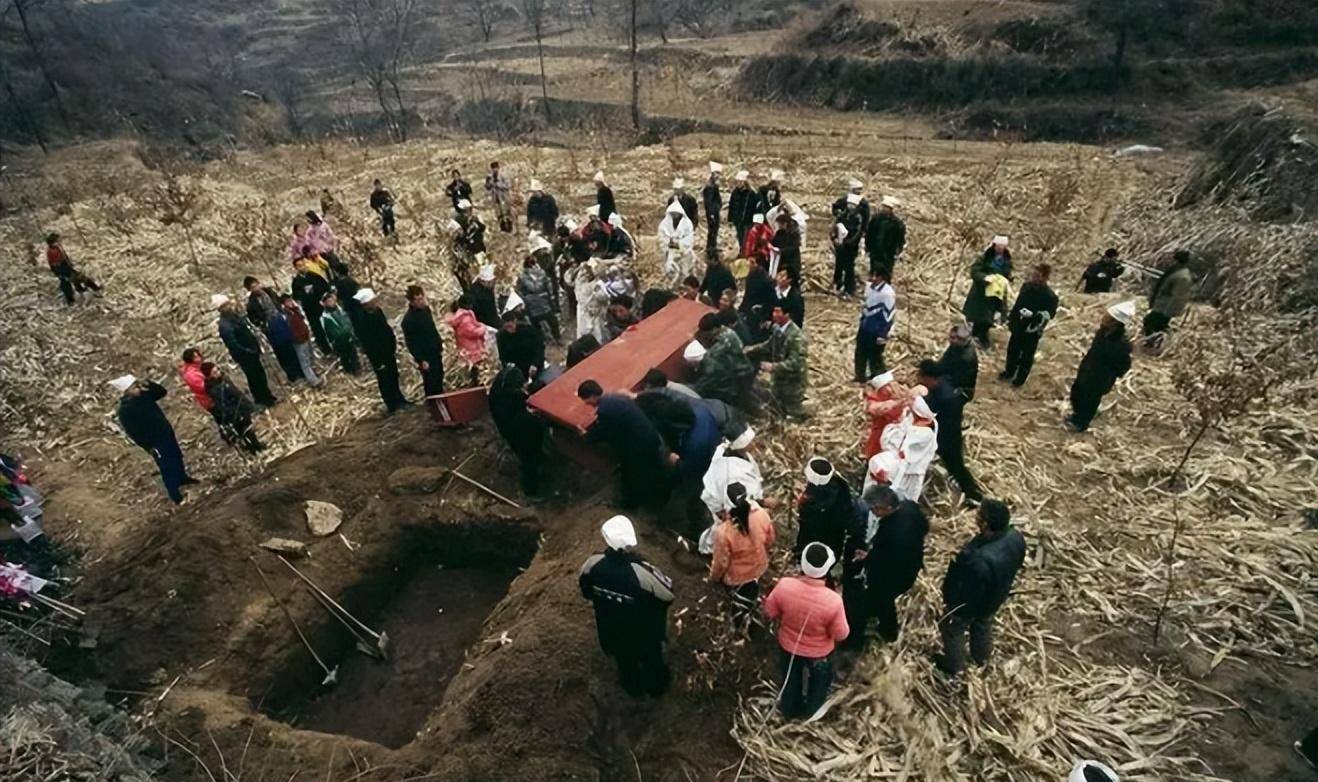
242,433
953,628
711,237
844,269
855,603
169,460
386,376
287,357
1156,328
641,668
548,323
980,331
349,360
806,682
257,382
1086,394
951,451
1020,355
741,235
72,281
318,329
869,357
530,462
387,226
432,379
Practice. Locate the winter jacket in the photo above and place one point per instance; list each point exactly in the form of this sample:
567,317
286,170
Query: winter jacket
377,337
699,442
278,330
604,199
542,213
759,298
458,190
1106,361
756,247
713,201
421,336
238,338
718,278
535,288
977,307
1172,293
196,383
524,348
947,406
232,407
788,243
261,304
469,334
792,303
896,551
483,304
297,324
740,557
742,205
1100,274
830,515
621,244
863,209
879,313
523,430
725,369
338,328
854,225
143,420
811,620
620,424
631,599
1038,299
309,288
769,197
885,237
381,199
960,367
786,349
321,238
981,576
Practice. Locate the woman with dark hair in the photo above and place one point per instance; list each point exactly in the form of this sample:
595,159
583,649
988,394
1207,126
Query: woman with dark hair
742,541
320,237
520,428
233,411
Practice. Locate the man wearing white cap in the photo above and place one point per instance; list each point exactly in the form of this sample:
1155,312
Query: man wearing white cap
848,229
244,348
145,424
677,240
811,622
885,236
621,246
771,193
381,349
541,210
742,205
499,190
689,206
481,294
1106,362
827,512
854,188
713,200
604,197
631,599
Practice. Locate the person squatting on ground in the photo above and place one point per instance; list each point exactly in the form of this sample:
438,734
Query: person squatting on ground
145,424
893,558
631,599
811,622
423,342
878,315
381,348
524,431
1106,362
1035,306
61,265
976,585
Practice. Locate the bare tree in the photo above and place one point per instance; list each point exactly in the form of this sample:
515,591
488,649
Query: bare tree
483,14
535,12
382,35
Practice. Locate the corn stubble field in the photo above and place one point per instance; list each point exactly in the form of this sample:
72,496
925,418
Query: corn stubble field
1076,673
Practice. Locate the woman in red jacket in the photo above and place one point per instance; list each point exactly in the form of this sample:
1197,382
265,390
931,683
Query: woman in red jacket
811,622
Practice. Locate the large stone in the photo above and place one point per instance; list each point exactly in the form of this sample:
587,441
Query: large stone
323,518
417,480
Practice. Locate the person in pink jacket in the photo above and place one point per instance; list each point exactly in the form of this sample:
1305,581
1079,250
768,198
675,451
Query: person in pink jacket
469,333
297,246
811,622
323,242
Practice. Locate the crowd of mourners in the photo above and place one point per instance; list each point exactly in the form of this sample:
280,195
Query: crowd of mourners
684,442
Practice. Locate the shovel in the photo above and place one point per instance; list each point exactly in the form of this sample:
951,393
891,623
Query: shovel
381,640
331,674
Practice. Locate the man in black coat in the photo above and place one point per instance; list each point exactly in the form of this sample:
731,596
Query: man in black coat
1107,360
947,405
893,558
146,425
541,210
718,278
688,202
521,345
458,189
631,599
481,295
309,288
604,197
713,200
788,294
976,585
381,349
960,362
423,342
262,302
244,348
828,513
643,459
885,237
857,188
743,203
846,234
1100,274
382,203
771,192
1035,306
